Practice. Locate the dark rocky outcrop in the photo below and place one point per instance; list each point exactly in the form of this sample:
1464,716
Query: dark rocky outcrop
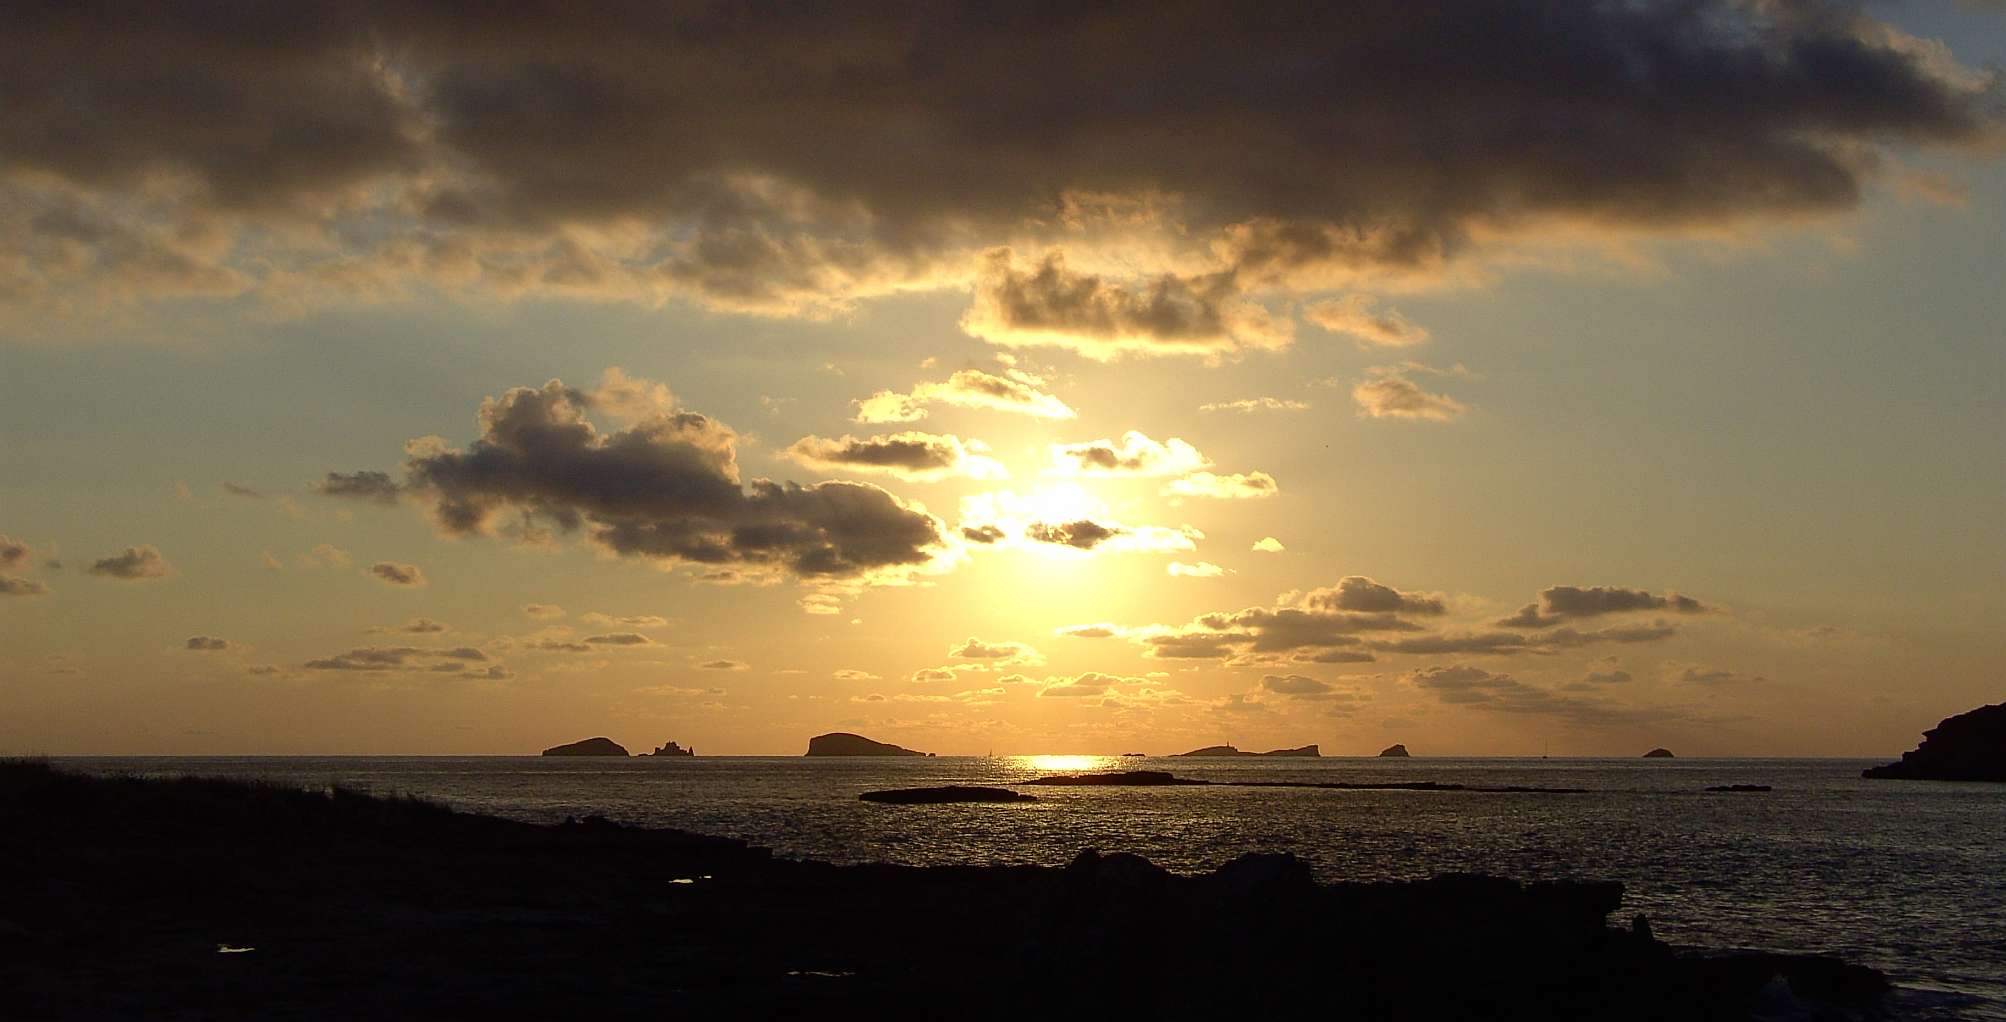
1394,751
945,794
1968,747
1114,779
843,743
362,907
1225,751
1659,753
672,749
588,747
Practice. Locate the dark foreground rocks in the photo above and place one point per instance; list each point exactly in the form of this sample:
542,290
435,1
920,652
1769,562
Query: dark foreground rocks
1968,747
200,899
945,794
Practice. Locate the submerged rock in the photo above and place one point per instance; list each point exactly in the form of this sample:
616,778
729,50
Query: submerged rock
1968,747
588,747
1118,778
843,743
1394,751
945,794
1658,753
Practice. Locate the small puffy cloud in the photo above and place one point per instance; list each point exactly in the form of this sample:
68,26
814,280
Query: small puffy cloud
419,626
933,674
1560,603
396,574
724,665
995,654
1357,592
398,658
1268,545
325,555
1050,304
1135,455
1242,486
822,604
373,487
13,552
1091,683
1294,685
1080,535
1613,676
630,399
1390,395
852,674
206,644
1013,390
136,564
619,639
629,620
543,611
1708,677
1202,569
14,586
1355,316
1094,631
909,455
246,492
1256,404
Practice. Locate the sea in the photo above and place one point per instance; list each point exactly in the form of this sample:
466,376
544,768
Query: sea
1906,876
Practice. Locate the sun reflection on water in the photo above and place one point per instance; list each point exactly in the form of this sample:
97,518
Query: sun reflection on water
1066,762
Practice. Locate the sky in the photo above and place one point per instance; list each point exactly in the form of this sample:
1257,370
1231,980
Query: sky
1498,379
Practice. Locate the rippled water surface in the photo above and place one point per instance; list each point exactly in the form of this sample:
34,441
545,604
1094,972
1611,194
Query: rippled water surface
1908,876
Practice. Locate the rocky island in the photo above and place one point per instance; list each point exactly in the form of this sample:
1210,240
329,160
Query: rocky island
944,795
842,743
1394,751
1968,747
338,905
588,747
1224,751
672,749
1658,753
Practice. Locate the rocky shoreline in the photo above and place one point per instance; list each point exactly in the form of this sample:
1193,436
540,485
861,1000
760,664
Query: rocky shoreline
212,899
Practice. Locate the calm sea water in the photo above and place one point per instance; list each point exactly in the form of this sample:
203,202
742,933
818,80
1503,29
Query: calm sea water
1906,876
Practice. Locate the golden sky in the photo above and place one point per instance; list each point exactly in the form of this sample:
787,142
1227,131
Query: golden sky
1494,380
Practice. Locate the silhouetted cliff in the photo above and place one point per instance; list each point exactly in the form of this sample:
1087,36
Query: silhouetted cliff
588,747
1394,751
1968,747
842,743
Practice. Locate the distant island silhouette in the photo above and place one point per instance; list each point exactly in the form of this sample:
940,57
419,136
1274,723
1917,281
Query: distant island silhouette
338,904
672,749
1658,753
843,743
1970,746
588,747
1224,751
1394,751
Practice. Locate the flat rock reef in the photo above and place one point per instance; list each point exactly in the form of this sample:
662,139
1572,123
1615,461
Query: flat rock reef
212,899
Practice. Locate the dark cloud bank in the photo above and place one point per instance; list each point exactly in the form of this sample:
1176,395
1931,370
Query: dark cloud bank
776,158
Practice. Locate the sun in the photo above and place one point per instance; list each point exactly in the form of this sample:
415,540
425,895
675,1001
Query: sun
1065,762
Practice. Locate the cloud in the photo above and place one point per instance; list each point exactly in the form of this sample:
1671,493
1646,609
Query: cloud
398,658
996,654
909,455
1354,315
724,665
1089,631
543,611
421,626
1091,683
206,644
1293,685
240,490
1244,486
14,586
1013,391
1708,677
1356,592
556,153
1389,395
619,639
1202,569
630,399
13,552
665,489
374,487
1268,545
325,555
1560,603
137,563
1481,689
1135,455
1256,404
852,674
1081,535
630,620
1047,304
393,573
